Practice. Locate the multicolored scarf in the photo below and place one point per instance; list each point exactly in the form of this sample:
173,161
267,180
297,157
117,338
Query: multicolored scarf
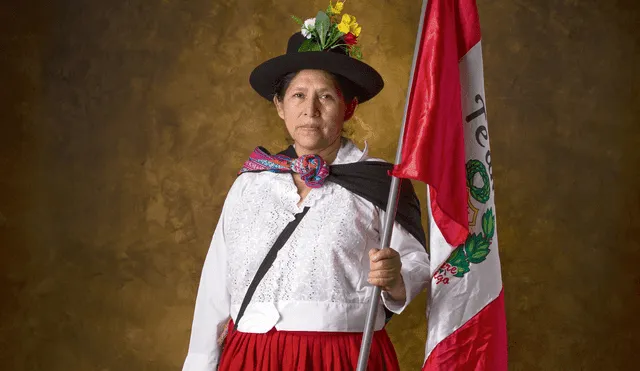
312,168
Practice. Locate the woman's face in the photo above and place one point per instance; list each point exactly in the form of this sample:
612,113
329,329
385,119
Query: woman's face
313,110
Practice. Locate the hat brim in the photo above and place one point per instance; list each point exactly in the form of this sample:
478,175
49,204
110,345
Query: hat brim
367,79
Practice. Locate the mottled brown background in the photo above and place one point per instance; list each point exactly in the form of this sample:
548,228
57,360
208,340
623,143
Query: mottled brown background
123,122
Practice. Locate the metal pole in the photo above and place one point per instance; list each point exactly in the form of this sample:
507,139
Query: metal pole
392,205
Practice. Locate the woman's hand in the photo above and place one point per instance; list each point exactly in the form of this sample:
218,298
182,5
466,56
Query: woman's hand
384,272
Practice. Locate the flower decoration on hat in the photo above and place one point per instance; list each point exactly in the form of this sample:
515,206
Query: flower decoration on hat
328,31
336,9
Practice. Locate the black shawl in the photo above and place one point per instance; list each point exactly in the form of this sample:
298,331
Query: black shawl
371,181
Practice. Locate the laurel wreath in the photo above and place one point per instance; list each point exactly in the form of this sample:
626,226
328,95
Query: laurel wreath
483,193
476,247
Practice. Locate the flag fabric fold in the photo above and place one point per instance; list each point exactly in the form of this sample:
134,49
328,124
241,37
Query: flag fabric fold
433,146
446,145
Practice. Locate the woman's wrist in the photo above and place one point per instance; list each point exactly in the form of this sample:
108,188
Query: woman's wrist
399,291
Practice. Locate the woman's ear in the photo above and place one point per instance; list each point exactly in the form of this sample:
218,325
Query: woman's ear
351,109
279,107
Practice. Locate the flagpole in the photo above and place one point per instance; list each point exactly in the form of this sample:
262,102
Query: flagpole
392,205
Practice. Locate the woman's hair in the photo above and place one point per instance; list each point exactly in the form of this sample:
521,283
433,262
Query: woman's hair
349,89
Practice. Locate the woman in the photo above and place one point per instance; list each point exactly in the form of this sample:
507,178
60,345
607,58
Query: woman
294,257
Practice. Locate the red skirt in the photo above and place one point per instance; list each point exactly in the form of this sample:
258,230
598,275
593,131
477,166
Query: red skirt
304,351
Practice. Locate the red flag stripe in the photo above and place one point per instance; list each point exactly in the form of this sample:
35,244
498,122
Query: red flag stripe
467,25
456,231
433,143
479,345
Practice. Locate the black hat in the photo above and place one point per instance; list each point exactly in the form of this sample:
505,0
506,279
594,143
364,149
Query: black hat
367,80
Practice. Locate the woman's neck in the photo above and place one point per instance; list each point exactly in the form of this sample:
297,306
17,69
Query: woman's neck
328,153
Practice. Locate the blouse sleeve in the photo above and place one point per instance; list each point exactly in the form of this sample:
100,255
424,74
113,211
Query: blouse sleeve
415,265
213,300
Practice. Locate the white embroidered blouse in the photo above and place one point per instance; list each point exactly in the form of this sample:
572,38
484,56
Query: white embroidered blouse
318,281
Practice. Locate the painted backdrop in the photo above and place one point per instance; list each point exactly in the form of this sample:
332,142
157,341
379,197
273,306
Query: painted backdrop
123,123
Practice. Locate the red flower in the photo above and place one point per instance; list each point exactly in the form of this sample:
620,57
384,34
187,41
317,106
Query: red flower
350,39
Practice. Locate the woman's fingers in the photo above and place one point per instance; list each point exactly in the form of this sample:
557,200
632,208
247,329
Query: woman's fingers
385,267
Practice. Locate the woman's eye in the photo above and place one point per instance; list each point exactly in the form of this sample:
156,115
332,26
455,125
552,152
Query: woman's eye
327,96
298,95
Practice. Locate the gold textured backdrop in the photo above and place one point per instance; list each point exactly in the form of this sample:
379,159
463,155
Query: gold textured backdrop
124,121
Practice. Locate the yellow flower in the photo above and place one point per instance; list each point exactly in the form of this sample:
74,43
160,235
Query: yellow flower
356,30
349,24
343,28
336,9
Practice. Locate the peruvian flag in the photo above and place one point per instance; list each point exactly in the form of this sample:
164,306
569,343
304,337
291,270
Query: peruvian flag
446,145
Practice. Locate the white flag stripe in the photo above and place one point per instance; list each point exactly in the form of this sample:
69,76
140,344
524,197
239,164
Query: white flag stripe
455,300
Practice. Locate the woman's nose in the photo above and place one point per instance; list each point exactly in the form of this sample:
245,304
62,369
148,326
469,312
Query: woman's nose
311,107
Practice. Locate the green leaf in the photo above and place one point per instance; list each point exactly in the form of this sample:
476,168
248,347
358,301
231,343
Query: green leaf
334,35
322,28
355,52
476,248
488,224
309,46
458,260
457,256
462,270
298,20
470,244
